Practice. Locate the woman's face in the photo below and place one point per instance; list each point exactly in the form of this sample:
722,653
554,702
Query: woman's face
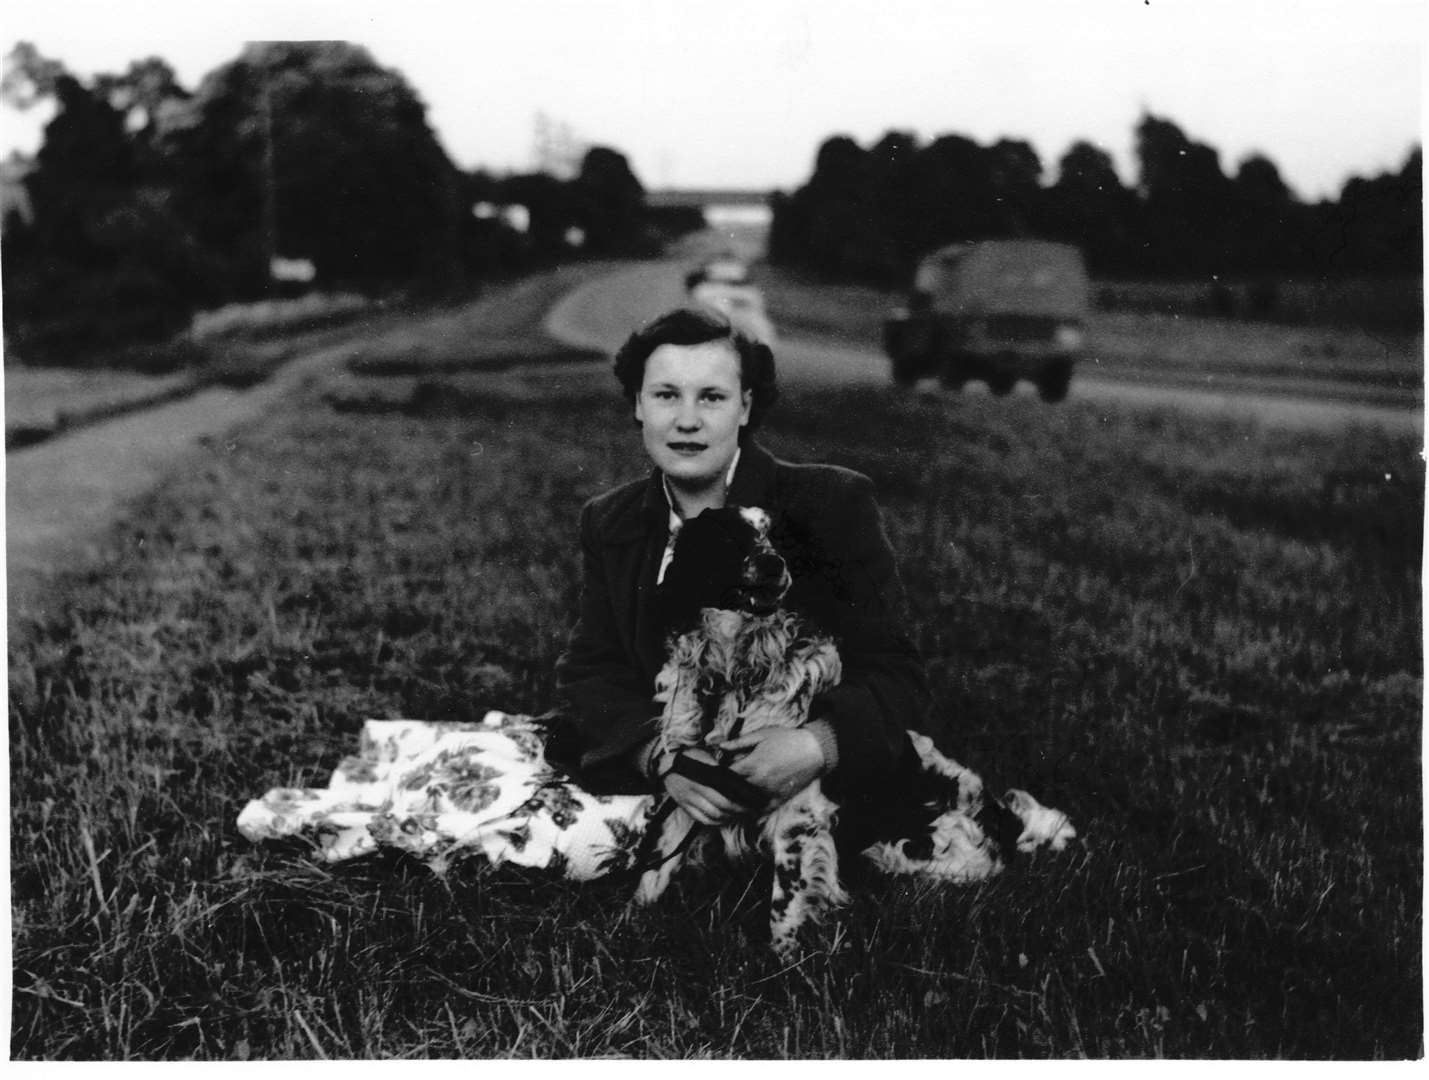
691,407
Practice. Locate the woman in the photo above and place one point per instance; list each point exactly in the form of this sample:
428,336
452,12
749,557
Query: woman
699,390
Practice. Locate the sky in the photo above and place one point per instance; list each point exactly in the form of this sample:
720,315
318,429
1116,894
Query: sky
740,93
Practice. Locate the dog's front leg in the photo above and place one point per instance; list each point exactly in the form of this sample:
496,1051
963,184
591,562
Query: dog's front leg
666,856
676,689
806,869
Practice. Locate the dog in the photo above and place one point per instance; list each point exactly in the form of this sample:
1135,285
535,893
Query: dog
746,664
739,662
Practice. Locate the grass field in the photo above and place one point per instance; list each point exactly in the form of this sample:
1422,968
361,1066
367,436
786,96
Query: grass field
1200,640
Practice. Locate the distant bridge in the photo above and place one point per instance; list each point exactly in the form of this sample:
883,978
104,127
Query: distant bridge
707,197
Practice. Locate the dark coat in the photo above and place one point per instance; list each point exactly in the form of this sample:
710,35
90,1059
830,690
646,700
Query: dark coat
827,526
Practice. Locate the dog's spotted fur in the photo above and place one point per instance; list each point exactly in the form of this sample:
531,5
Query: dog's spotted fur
746,664
740,670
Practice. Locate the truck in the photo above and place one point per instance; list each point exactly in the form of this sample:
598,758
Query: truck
994,310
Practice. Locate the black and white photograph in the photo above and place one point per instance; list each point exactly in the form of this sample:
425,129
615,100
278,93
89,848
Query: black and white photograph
722,530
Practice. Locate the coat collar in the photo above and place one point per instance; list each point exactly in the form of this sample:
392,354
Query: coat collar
753,483
754,479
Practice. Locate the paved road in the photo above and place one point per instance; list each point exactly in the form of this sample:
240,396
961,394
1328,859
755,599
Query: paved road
600,313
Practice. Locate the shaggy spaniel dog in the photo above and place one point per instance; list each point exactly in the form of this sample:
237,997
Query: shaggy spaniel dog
743,663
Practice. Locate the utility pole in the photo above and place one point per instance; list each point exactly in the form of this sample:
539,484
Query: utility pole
270,192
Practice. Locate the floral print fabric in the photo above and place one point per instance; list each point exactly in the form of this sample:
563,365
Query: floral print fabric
440,791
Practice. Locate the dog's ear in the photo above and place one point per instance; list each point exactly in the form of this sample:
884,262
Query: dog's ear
758,520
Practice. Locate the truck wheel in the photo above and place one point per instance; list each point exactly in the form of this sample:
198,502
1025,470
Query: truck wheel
904,374
904,342
1001,384
953,376
1053,384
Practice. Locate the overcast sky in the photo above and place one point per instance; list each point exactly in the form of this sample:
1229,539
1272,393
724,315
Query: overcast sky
740,93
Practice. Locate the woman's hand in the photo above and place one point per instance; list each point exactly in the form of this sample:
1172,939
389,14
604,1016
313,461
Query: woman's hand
704,804
778,761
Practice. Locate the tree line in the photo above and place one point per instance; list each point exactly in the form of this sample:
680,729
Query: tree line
148,201
869,214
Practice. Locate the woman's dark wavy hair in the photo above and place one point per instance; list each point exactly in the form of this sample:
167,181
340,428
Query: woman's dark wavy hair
691,326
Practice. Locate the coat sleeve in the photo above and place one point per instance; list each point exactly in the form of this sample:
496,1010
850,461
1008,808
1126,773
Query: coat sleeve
605,709
884,689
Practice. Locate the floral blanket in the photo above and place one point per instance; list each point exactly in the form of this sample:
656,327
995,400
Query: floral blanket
443,790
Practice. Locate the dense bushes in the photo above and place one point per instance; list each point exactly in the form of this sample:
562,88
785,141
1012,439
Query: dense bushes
148,202
869,214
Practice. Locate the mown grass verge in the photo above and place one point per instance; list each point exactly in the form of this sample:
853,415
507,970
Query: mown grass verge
1185,634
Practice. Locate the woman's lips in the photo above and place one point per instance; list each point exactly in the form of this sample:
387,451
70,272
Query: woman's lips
686,447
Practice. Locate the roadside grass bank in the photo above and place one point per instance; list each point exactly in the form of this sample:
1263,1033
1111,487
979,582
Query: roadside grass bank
1154,345
241,346
1200,639
41,403
236,346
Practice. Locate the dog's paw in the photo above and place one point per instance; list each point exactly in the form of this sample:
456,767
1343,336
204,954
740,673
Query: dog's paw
1042,826
651,886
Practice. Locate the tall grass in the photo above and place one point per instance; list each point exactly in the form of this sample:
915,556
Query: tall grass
1165,627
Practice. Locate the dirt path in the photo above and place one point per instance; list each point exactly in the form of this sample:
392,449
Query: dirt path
62,495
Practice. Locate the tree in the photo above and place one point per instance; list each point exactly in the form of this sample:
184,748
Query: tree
84,165
1090,207
1266,221
845,228
952,193
312,149
610,202
29,77
891,163
104,261
1377,226
869,214
1188,224
1015,177
1258,181
497,245
83,171
146,95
